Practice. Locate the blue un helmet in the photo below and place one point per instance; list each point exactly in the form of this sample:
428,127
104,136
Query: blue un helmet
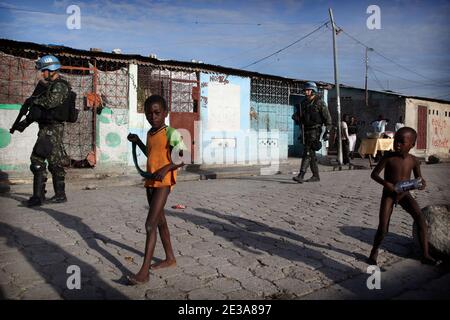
311,85
48,63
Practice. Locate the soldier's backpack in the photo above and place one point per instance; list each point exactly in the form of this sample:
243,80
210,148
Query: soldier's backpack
73,111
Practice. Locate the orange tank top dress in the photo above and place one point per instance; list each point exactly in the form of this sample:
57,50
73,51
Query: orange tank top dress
158,156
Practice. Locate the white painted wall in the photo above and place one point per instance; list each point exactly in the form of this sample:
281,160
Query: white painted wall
438,126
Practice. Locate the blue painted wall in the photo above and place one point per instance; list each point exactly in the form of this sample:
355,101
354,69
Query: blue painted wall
225,153
272,117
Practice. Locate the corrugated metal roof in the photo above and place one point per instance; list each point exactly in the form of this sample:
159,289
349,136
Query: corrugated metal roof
396,94
138,59
171,64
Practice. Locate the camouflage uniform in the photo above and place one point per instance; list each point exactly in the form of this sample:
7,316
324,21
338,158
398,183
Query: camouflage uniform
312,115
50,138
49,145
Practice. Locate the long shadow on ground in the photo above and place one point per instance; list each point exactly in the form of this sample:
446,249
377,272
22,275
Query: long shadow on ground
396,244
254,237
88,235
51,262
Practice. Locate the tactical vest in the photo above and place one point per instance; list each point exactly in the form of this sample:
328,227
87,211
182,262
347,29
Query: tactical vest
312,115
66,112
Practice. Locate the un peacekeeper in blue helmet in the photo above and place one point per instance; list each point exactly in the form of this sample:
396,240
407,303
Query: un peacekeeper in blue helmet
311,115
50,95
58,90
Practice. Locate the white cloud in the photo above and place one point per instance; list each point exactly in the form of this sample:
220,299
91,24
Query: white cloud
228,33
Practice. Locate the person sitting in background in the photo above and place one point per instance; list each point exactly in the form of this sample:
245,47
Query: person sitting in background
379,125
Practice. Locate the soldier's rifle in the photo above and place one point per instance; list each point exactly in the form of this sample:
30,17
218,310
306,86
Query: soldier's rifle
40,89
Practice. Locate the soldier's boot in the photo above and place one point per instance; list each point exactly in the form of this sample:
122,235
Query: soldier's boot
315,172
38,196
313,179
303,169
59,186
300,177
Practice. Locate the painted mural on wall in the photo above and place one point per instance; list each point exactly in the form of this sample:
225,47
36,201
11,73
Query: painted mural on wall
440,133
112,131
15,149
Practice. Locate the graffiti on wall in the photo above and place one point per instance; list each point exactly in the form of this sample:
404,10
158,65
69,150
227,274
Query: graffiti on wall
439,127
219,79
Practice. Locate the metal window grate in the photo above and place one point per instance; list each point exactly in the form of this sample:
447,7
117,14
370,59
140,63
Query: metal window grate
269,91
152,81
174,86
18,78
273,91
112,83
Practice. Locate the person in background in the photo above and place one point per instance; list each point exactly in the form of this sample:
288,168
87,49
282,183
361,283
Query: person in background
345,138
379,125
399,124
311,115
352,132
49,107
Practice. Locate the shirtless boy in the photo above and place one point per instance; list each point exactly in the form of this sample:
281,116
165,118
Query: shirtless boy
398,166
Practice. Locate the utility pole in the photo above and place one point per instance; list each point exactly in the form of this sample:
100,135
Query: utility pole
367,68
336,84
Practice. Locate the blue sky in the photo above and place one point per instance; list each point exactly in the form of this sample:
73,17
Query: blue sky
412,46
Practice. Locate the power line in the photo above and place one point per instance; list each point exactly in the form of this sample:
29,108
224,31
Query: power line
191,22
248,23
302,45
241,53
445,95
229,23
378,81
409,80
288,46
383,56
422,85
398,89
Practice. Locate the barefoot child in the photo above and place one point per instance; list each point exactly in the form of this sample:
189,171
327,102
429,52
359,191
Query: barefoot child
161,174
398,167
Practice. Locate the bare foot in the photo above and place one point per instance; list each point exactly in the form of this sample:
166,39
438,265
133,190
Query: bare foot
164,264
430,261
372,260
137,279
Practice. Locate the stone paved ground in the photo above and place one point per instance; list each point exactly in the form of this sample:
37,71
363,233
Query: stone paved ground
245,238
